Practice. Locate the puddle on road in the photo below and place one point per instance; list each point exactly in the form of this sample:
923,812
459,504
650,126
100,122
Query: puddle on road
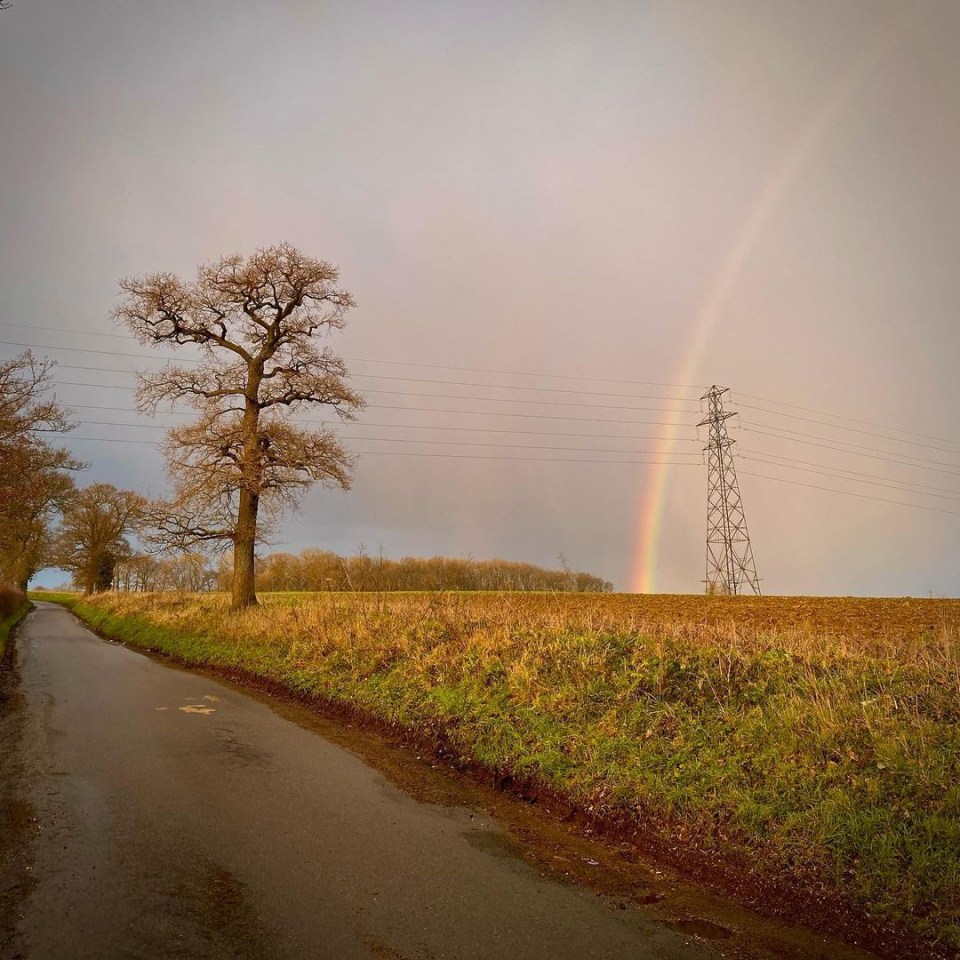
190,708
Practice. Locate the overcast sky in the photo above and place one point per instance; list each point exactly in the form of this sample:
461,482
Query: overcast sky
763,195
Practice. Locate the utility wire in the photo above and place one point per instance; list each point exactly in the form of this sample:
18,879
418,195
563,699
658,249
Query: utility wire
831,445
836,416
848,493
457,396
399,426
449,443
565,403
834,426
401,363
853,473
835,476
452,456
747,424
452,383
474,413
839,446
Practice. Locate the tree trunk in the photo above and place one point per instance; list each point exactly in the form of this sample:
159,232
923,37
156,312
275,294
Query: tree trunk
244,587
245,538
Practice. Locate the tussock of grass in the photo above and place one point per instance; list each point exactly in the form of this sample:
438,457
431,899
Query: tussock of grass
818,737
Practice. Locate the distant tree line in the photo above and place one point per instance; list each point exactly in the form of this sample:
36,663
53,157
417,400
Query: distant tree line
324,570
188,572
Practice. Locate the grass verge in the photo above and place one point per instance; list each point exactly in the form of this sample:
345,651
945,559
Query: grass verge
817,754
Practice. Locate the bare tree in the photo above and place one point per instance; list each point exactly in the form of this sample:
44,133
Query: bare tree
93,534
34,478
254,322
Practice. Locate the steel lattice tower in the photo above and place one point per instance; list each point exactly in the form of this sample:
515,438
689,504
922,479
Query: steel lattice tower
730,565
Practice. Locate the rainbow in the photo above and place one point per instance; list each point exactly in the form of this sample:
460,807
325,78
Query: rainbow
800,149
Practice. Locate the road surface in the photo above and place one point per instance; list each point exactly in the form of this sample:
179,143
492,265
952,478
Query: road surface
163,814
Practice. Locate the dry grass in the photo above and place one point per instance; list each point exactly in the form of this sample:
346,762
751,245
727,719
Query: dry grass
814,736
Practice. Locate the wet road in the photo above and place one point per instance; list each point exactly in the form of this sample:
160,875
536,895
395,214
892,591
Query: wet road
167,815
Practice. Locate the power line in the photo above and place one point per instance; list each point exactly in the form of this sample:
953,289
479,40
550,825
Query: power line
452,383
849,493
852,473
451,456
456,396
460,383
474,413
836,416
566,403
831,445
399,426
582,406
401,363
551,403
839,476
457,456
833,426
450,443
103,353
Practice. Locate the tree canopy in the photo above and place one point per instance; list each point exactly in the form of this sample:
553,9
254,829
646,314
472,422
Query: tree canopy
93,534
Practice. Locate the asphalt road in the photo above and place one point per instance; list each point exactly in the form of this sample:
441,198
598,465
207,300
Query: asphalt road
163,814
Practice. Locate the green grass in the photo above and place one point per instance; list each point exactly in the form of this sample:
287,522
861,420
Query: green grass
813,752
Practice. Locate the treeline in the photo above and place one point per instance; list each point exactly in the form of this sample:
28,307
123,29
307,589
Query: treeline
323,570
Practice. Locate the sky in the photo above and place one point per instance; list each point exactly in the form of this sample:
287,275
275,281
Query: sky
549,207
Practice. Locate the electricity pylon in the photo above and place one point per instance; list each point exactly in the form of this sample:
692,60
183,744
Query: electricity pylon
730,565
